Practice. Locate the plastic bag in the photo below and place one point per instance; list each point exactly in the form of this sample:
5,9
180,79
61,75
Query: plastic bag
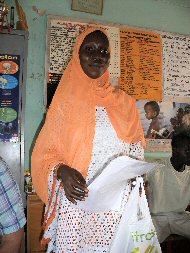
136,232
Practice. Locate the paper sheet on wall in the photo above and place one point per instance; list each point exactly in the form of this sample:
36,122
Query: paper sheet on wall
114,40
63,36
176,68
107,188
62,39
141,64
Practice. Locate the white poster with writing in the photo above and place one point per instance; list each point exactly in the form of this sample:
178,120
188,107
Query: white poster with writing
176,68
62,39
63,36
114,40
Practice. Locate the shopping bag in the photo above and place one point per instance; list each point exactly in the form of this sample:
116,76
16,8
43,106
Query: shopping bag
136,232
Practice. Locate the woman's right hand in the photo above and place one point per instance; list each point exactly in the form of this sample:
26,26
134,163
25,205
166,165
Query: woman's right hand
73,182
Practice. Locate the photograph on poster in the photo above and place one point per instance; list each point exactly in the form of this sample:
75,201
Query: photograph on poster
8,67
161,120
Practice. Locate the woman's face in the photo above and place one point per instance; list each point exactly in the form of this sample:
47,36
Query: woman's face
94,54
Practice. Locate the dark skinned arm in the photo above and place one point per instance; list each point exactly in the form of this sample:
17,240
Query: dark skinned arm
12,242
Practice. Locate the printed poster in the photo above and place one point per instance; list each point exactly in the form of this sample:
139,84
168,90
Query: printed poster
160,120
141,64
63,35
176,68
62,38
9,97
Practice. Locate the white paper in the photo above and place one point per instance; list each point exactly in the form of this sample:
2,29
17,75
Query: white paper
114,41
106,190
176,67
63,35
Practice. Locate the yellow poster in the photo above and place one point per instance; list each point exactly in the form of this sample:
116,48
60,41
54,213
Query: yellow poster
141,64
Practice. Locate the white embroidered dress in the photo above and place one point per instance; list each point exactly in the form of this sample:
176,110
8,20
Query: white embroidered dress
78,231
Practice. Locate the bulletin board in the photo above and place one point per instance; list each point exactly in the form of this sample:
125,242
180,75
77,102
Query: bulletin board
147,64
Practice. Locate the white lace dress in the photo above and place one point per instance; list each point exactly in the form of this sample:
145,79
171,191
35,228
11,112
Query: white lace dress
77,231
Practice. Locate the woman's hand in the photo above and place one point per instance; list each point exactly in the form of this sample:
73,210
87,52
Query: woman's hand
73,182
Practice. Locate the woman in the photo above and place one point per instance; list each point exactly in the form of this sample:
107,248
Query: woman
87,124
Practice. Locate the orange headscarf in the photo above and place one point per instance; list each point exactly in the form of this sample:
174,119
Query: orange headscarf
68,132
